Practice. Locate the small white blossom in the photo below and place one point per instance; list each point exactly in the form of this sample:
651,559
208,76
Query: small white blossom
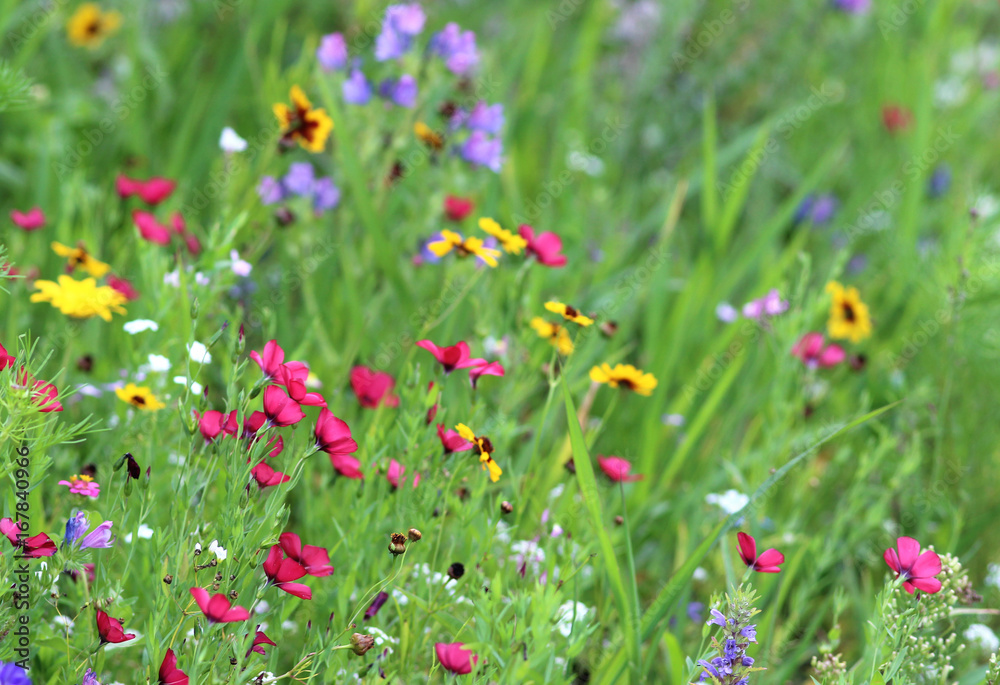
199,353
158,363
140,325
731,501
230,141
145,532
220,551
240,267
196,387
566,614
982,635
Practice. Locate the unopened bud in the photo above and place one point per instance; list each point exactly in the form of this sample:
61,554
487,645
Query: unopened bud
194,309
414,535
619,520
361,643
456,570
506,507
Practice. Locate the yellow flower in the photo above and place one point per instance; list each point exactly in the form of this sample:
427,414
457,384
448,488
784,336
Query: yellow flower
511,242
626,376
569,313
485,449
89,25
849,317
79,257
464,246
555,334
80,299
428,136
303,124
139,396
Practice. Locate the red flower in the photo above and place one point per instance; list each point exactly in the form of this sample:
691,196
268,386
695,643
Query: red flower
896,118
617,469
454,357
395,473
333,435
152,192
111,630
293,376
767,562
491,369
45,397
280,572
218,609
169,673
812,353
271,361
346,466
35,547
454,658
150,228
213,423
259,640
280,409
373,387
918,570
32,220
180,228
315,560
546,247
267,477
124,287
6,360
457,208
452,441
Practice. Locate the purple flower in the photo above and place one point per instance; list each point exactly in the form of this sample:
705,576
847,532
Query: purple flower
325,195
816,208
939,181
717,619
694,610
356,89
402,91
749,632
390,45
100,538
481,150
89,678
406,19
332,52
709,669
424,255
380,599
852,6
726,313
12,674
299,179
456,48
76,526
769,305
270,190
488,118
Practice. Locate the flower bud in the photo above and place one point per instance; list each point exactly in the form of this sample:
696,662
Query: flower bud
414,534
397,544
361,643
194,309
168,579
506,507
456,570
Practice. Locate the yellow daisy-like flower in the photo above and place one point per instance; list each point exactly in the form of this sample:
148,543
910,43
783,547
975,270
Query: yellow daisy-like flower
511,242
557,335
849,317
464,246
428,136
626,376
80,299
139,396
485,449
89,25
300,123
79,257
569,313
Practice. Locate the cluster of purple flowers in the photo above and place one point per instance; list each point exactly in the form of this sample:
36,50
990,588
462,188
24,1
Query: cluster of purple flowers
300,181
483,146
76,529
852,6
730,667
457,48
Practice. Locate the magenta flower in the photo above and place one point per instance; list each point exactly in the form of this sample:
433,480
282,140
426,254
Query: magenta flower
218,609
454,658
31,220
769,305
617,469
490,369
396,472
916,569
82,485
452,441
767,562
453,357
812,353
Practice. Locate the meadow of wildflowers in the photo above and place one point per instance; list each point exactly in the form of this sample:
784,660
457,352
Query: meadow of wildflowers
582,341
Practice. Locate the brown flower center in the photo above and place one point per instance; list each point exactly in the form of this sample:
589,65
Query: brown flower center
138,400
849,314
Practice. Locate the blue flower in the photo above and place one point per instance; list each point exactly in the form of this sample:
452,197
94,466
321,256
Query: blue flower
718,619
356,89
270,190
456,48
299,179
749,632
488,118
402,91
76,526
12,674
481,150
325,195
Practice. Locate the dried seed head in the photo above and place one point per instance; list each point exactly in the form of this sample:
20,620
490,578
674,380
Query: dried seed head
232,661
361,643
506,507
456,570
397,544
234,595
168,579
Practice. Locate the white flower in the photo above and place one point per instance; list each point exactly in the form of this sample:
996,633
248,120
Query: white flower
726,313
201,279
700,574
172,278
983,636
993,575
673,419
230,141
556,491
986,206
176,459
220,552
289,626
196,388
400,596
262,607
140,325
199,353
265,677
566,614
240,267
145,532
731,501
158,363
64,621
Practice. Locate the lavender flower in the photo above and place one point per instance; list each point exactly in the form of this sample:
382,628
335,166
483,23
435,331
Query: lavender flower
402,91
99,538
270,190
356,89
939,181
769,305
89,678
325,195
487,118
76,526
852,6
401,24
816,208
456,48
481,150
731,665
12,674
332,52
299,179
